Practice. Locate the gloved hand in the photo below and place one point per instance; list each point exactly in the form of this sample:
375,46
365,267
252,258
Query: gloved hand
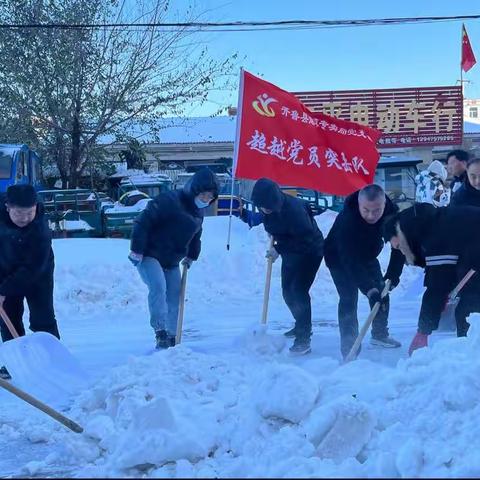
135,258
187,262
376,296
272,254
393,283
420,340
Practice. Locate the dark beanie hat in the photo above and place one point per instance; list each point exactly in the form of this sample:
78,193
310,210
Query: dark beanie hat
21,196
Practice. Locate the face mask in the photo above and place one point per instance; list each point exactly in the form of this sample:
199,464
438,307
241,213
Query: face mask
201,204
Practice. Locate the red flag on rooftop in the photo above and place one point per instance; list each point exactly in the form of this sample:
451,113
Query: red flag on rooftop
280,138
468,57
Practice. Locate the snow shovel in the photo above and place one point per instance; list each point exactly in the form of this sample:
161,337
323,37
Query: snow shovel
447,320
181,305
40,364
41,406
353,351
266,293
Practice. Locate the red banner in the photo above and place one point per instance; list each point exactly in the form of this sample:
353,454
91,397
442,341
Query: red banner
280,138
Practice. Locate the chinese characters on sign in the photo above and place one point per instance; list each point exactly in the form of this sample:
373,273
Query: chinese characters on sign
292,153
406,116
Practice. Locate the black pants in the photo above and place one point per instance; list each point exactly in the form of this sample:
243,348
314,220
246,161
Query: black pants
298,274
347,290
40,304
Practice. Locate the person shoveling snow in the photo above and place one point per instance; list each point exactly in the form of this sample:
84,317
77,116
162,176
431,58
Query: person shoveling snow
299,241
26,264
446,243
39,363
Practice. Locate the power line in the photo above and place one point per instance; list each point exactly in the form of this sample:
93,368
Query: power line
244,26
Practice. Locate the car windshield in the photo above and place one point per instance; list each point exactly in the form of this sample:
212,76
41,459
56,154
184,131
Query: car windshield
5,165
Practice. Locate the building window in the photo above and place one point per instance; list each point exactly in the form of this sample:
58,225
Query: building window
473,112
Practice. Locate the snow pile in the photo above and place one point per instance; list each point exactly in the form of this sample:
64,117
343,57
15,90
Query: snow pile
184,413
118,207
230,401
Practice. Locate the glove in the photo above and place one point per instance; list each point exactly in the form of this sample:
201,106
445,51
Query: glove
135,258
393,283
420,340
375,296
272,254
187,262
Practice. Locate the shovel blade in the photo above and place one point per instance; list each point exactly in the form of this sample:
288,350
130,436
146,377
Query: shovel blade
447,320
42,366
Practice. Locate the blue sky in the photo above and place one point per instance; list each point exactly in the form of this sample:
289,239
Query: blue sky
345,58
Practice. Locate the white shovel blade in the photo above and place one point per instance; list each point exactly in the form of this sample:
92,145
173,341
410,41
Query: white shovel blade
447,321
41,365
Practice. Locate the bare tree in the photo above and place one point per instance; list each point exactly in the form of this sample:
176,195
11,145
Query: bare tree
68,90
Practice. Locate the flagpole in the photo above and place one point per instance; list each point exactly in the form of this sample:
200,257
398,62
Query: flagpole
461,60
235,154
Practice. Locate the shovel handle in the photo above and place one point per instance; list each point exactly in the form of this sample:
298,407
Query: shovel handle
353,351
266,293
41,406
461,284
181,305
8,323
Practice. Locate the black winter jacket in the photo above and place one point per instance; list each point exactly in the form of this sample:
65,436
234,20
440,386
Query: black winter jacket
354,245
466,195
169,229
291,223
26,254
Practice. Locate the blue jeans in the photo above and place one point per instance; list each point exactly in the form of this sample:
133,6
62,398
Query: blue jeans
163,294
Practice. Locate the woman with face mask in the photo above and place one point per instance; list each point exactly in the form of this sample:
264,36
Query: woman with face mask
166,232
469,192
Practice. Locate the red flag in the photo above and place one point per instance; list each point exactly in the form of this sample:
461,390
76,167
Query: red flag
468,58
280,138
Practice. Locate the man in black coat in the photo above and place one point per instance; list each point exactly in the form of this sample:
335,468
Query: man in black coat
298,240
469,192
446,243
166,232
457,168
26,263
351,250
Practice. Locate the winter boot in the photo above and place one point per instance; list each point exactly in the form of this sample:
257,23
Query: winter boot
4,374
291,333
161,340
300,347
385,342
171,340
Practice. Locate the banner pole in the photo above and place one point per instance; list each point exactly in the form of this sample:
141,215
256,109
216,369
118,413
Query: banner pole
235,153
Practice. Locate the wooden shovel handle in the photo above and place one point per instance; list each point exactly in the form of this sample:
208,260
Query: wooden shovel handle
266,292
41,406
8,323
181,305
366,325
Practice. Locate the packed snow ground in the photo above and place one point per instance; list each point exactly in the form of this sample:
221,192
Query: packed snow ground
230,401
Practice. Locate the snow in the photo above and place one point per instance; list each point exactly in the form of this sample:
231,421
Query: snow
118,207
230,401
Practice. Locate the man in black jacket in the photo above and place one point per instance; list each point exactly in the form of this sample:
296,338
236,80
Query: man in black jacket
298,240
166,232
457,168
469,192
26,263
446,243
351,250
